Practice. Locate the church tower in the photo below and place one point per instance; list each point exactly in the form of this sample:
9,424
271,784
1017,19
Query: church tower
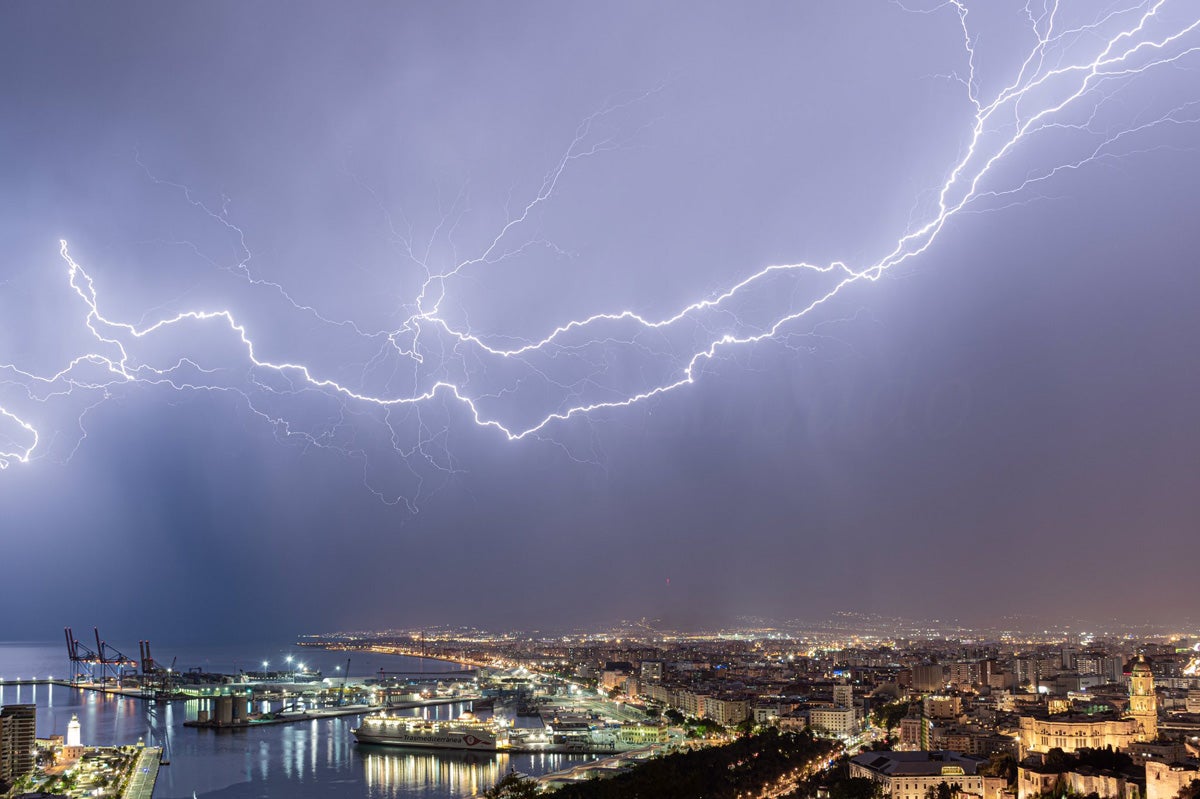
1143,704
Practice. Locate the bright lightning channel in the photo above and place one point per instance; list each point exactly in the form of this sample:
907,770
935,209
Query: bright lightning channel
1065,67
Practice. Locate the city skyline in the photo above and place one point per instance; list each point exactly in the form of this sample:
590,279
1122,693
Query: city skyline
545,317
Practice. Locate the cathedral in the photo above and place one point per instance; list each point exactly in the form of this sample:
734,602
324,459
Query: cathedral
1043,731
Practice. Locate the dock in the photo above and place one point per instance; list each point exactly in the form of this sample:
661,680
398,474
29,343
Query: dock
145,774
289,717
281,718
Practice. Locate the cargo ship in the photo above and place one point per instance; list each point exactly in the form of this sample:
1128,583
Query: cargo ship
465,732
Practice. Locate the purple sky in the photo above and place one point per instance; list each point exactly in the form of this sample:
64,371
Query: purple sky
1004,422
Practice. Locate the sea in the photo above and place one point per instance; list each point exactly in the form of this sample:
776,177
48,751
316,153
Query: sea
318,758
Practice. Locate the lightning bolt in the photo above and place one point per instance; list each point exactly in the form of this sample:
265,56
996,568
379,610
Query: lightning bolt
1063,84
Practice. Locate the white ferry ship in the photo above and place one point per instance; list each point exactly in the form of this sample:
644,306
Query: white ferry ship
464,732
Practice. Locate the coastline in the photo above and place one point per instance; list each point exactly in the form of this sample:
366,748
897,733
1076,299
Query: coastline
387,649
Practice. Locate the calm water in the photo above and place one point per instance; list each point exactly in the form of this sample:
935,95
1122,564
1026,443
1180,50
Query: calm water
307,759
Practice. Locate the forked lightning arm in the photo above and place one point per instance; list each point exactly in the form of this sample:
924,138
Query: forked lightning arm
1066,71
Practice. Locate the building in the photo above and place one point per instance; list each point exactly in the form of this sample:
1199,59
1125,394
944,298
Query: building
841,722
614,674
942,707
910,732
928,678
652,671
908,775
727,711
1143,752
1036,780
18,732
1143,704
1166,780
1073,731
693,704
843,695
657,692
964,676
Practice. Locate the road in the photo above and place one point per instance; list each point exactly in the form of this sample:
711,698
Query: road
141,784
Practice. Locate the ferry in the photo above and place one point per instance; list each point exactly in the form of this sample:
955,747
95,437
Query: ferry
464,732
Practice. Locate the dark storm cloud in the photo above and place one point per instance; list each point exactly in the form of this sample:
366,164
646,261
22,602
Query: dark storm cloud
998,425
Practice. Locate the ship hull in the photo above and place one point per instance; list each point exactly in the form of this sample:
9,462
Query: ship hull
461,741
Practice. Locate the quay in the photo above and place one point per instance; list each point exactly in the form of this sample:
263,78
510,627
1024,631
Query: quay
598,769
284,717
441,700
288,717
145,774
115,690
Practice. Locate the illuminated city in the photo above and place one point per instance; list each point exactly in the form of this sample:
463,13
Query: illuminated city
726,401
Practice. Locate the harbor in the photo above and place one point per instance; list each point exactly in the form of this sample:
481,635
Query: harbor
288,759
391,708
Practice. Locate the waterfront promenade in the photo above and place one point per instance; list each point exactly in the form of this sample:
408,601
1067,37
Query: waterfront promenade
145,774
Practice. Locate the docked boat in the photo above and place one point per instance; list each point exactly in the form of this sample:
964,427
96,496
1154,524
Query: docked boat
465,732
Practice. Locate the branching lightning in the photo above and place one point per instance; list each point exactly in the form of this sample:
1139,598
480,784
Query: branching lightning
523,388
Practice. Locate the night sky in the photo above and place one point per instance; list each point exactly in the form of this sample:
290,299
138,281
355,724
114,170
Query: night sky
1004,423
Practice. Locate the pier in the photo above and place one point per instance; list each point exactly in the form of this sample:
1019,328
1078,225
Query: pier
291,716
145,774
284,717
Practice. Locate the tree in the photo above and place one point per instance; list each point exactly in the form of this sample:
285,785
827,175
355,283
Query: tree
1003,764
1058,760
512,786
674,716
943,790
889,715
1190,791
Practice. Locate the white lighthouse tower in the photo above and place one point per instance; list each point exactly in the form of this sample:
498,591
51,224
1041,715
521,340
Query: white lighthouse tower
73,731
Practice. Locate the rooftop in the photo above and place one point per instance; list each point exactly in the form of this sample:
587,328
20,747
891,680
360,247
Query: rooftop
918,764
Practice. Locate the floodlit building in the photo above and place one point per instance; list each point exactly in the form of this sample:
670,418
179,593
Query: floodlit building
1143,703
1073,731
908,775
1166,780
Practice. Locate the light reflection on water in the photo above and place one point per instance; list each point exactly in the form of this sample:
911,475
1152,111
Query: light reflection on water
396,773
306,760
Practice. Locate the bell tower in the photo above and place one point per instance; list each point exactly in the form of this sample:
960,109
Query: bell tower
1143,704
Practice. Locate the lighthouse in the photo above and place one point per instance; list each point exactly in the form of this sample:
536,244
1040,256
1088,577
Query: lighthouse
73,731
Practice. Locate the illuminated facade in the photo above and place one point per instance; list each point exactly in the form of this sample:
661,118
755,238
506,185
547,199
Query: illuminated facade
1143,704
1071,731
1166,780
1074,731
73,732
1034,782
908,775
